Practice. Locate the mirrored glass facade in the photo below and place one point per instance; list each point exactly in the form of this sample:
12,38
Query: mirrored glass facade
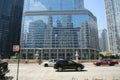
44,5
59,32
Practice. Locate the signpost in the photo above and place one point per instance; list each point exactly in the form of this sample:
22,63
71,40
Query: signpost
16,49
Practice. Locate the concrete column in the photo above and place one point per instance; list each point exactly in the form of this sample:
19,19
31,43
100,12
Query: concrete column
57,53
49,54
73,54
34,53
81,54
89,54
26,56
65,53
94,54
41,54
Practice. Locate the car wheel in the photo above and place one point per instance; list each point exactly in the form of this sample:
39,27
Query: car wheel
60,69
46,65
98,64
2,76
111,64
79,69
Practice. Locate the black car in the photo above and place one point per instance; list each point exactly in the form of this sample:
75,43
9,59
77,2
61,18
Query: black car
68,64
3,68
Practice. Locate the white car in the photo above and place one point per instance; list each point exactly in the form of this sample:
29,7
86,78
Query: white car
50,63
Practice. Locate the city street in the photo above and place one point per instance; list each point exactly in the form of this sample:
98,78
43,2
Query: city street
39,72
45,31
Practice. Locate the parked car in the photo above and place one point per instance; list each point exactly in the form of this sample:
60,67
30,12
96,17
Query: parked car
49,63
68,64
106,62
3,68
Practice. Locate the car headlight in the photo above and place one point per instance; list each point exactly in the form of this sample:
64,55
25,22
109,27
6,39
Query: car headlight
1,69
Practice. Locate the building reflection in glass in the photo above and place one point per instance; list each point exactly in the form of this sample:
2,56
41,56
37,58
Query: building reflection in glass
61,28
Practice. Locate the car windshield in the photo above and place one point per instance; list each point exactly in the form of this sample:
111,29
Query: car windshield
55,60
109,60
52,60
106,60
71,62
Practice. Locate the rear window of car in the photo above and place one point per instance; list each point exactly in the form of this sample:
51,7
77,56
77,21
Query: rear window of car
62,61
109,60
65,62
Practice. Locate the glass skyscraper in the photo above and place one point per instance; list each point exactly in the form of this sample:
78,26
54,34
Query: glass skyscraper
103,41
10,26
113,21
57,29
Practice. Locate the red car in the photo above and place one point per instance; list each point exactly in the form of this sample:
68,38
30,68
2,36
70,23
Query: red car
106,62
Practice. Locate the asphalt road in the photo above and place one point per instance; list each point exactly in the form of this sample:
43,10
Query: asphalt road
39,72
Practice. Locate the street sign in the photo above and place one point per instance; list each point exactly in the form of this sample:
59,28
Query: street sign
15,48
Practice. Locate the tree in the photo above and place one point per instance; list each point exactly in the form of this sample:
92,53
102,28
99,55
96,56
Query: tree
101,56
107,54
15,56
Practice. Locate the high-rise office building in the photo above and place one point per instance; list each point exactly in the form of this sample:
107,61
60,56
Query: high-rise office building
10,25
35,34
103,41
70,29
113,20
